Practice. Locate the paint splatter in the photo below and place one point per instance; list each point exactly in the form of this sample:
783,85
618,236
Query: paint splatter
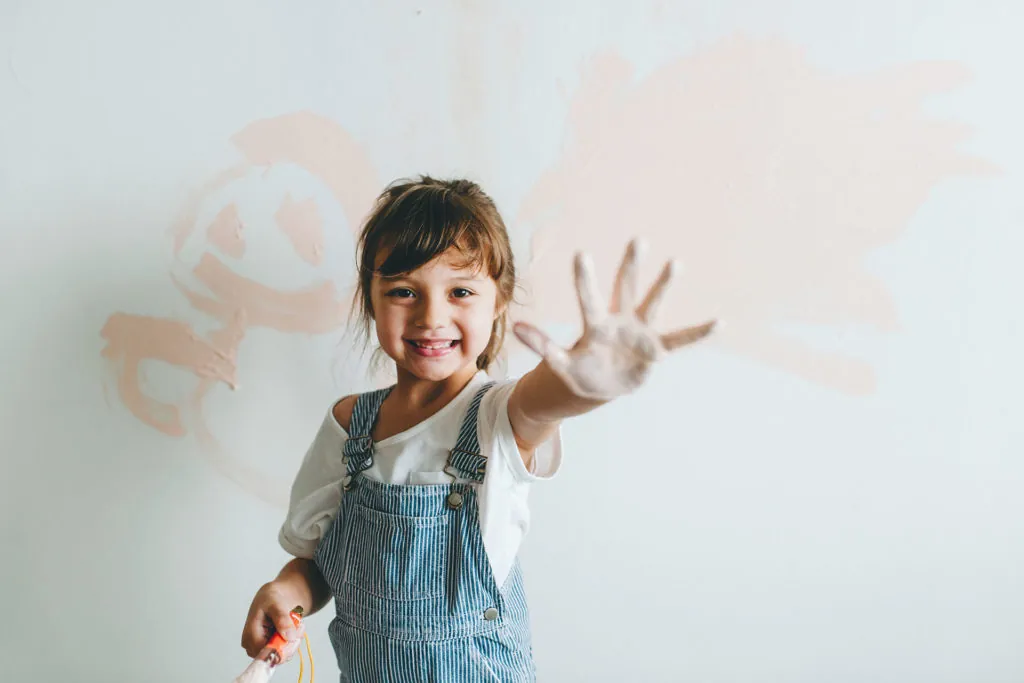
301,222
314,310
770,179
132,339
225,232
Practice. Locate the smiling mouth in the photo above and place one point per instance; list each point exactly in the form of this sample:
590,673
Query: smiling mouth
433,344
432,348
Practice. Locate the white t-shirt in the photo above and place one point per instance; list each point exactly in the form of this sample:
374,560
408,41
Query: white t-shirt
418,456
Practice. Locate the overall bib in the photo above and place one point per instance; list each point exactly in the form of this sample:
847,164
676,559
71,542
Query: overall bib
415,597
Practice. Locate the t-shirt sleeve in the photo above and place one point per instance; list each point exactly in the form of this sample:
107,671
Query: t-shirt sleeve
316,491
496,437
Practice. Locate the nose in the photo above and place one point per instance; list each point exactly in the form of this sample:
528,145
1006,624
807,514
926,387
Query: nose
432,313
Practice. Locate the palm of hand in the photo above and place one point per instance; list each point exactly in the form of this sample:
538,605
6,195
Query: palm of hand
618,346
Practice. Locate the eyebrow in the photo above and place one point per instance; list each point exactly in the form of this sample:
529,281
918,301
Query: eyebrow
395,278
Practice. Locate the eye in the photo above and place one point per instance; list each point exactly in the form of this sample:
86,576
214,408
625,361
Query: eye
400,293
461,293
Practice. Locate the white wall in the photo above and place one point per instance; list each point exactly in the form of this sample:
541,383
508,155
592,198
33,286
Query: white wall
827,491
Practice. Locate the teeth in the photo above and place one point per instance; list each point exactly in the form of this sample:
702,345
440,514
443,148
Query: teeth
434,345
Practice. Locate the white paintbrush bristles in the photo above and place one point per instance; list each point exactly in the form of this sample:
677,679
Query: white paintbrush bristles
258,671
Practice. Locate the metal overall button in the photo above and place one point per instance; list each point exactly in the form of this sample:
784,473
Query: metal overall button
490,614
454,500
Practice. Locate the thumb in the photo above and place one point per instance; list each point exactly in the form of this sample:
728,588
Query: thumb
541,344
283,623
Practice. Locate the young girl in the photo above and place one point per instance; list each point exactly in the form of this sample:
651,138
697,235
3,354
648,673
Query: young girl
410,505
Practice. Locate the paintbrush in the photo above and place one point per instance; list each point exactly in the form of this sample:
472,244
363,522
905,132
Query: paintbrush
262,667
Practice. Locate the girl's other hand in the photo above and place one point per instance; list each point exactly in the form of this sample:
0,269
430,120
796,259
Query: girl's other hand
270,612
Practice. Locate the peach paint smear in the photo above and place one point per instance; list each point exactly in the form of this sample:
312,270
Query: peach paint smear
769,179
301,222
322,148
225,232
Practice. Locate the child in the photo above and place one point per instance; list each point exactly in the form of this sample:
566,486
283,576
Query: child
410,505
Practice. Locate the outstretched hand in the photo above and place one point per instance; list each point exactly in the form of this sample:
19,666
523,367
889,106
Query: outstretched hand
619,346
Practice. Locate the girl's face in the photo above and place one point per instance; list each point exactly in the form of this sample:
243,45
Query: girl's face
435,321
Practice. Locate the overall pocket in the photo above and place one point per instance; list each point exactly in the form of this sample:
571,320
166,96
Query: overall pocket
397,557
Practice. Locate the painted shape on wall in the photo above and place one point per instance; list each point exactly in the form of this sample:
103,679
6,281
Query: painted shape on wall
770,179
216,286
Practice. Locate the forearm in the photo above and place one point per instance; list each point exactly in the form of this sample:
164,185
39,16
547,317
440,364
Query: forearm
305,579
539,403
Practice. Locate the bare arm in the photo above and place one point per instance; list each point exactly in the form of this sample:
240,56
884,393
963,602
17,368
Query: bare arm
307,582
298,584
539,403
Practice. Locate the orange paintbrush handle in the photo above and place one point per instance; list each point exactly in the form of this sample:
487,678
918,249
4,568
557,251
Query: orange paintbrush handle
277,641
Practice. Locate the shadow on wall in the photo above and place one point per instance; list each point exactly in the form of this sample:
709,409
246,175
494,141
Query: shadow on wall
770,180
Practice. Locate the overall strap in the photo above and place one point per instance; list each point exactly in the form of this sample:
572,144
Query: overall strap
465,460
358,450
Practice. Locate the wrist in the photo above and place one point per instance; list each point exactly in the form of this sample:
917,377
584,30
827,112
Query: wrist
301,581
550,397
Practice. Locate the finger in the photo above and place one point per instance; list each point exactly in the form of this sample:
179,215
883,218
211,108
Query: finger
648,308
624,291
254,635
283,623
586,290
289,649
679,338
541,344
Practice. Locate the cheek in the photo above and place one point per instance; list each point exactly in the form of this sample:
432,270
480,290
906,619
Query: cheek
481,321
390,321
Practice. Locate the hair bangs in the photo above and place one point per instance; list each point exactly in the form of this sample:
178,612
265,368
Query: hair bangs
419,228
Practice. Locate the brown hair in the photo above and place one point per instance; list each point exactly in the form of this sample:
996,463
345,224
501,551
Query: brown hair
416,220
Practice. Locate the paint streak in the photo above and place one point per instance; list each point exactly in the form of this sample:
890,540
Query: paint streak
310,141
470,58
321,147
325,150
250,479
182,228
225,232
301,223
488,46
770,179
315,310
132,339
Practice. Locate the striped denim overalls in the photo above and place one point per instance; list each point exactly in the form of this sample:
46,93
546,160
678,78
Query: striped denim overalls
414,594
